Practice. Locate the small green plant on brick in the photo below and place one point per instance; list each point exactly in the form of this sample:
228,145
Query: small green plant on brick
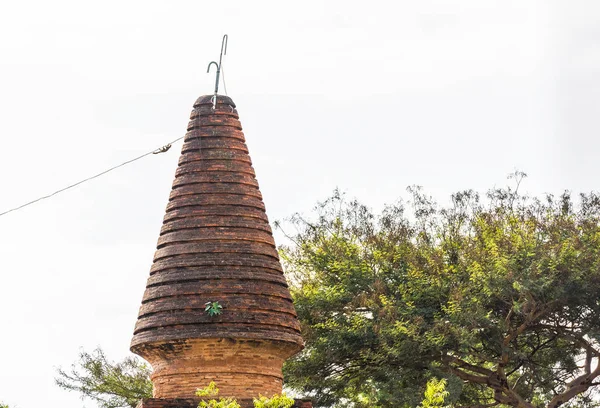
276,401
212,392
213,308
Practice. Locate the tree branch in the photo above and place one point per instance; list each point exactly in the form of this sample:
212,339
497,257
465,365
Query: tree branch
578,385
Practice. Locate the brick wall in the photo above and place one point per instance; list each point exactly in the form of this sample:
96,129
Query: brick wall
241,368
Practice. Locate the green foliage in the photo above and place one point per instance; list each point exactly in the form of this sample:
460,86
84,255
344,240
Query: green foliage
213,308
498,295
209,391
110,384
435,394
2,405
212,392
277,401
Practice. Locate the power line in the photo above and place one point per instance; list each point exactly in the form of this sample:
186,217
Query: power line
161,149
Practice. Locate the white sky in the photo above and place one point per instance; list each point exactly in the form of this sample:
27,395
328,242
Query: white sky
368,96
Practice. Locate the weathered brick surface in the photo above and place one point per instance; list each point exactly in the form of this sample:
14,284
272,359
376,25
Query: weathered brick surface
215,245
242,368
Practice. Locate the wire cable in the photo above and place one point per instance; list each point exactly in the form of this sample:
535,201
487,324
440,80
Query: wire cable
161,149
224,84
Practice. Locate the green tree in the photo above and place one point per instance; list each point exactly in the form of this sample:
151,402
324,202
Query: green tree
111,384
498,295
435,394
212,392
276,401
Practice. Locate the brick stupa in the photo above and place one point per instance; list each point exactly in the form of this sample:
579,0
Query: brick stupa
215,245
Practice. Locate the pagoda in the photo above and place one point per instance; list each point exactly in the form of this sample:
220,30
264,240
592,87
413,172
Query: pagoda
215,249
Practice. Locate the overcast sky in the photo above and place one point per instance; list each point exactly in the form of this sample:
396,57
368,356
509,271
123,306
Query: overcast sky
368,96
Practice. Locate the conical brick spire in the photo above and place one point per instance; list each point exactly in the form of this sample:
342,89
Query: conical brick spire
216,246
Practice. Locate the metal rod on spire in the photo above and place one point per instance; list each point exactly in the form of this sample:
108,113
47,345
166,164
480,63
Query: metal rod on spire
223,52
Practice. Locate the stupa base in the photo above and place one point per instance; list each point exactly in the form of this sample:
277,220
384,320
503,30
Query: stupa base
193,403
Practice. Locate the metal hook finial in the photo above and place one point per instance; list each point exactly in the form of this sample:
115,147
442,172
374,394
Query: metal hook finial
223,52
223,48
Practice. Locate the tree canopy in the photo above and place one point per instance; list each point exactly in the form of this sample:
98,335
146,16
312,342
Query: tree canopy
499,295
487,301
110,384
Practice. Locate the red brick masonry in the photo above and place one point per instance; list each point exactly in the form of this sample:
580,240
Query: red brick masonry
216,245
